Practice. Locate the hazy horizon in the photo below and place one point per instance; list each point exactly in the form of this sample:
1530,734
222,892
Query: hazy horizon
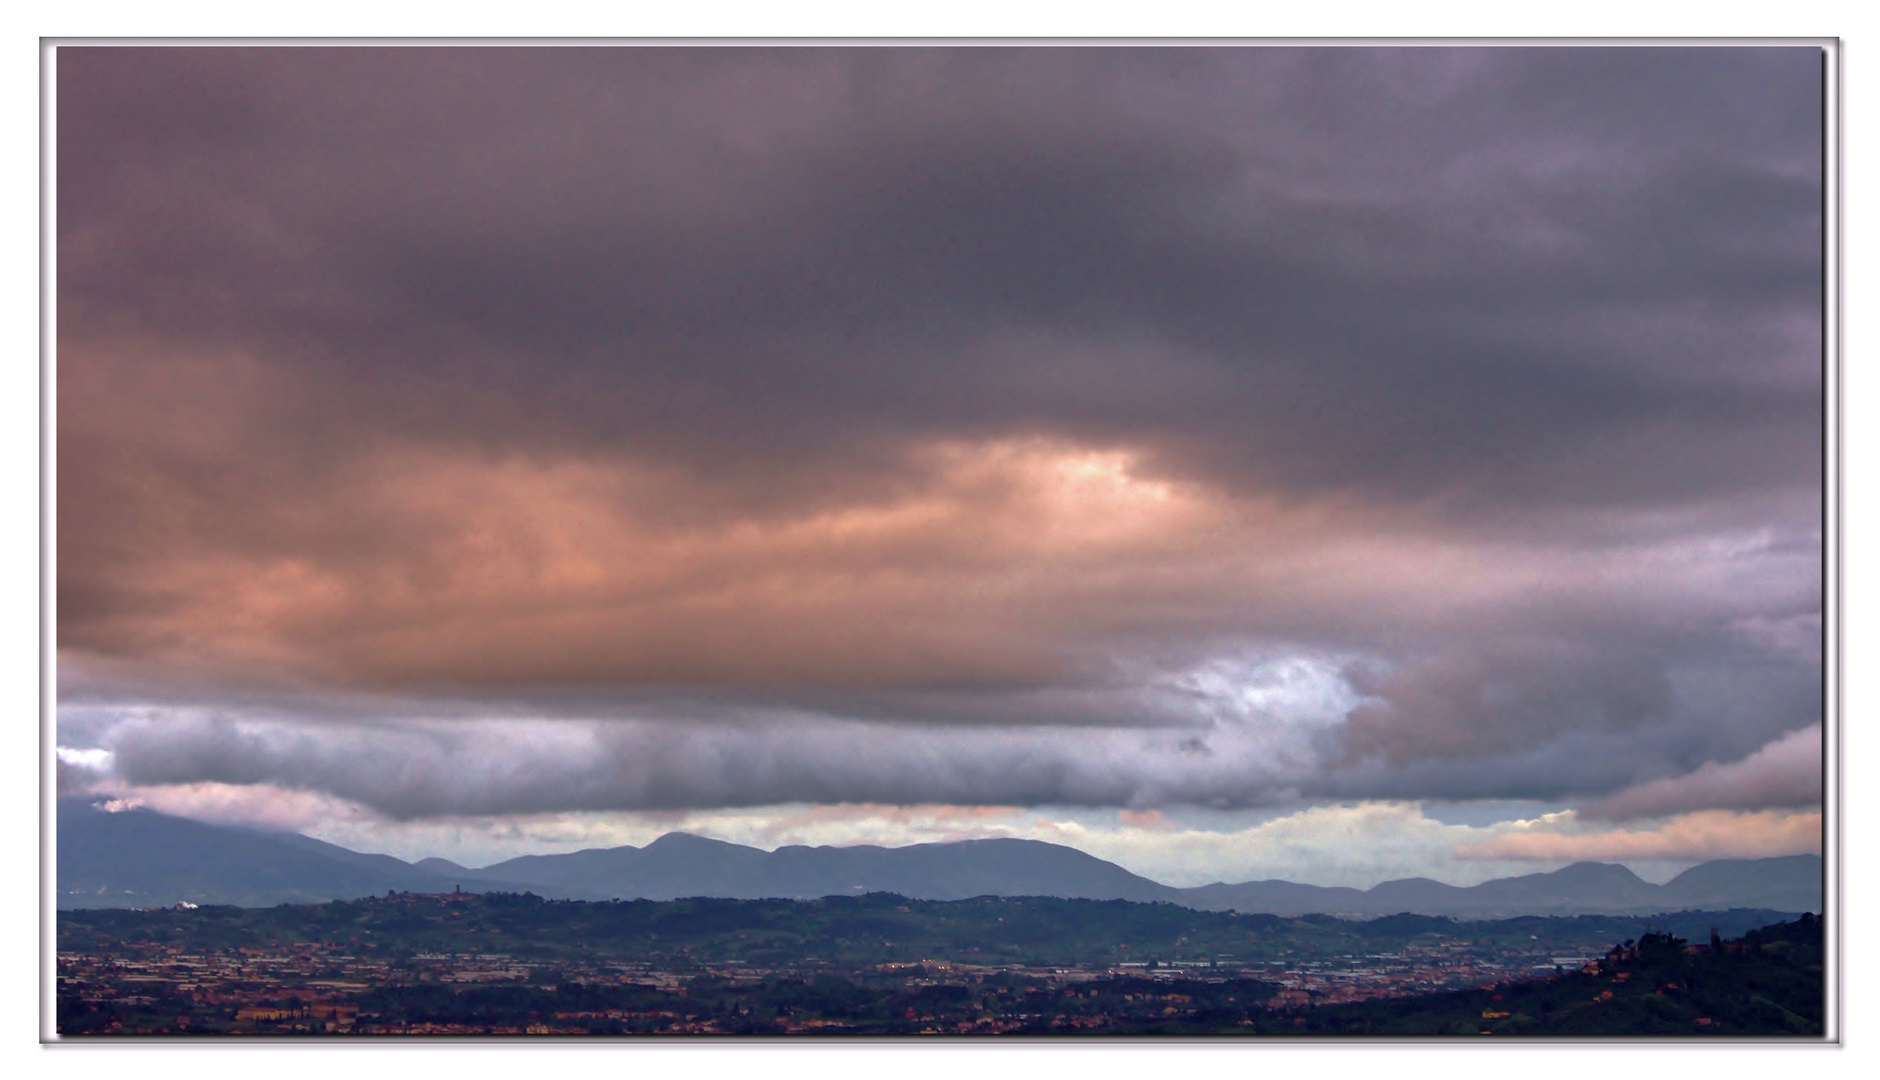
374,839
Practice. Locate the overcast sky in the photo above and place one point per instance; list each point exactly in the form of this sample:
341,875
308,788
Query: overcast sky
1238,462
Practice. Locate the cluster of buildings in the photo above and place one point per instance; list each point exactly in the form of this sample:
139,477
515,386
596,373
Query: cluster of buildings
305,988
1416,969
315,988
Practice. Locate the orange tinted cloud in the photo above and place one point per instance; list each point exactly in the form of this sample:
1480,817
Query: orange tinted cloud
207,530
1786,772
989,562
1706,834
463,569
983,561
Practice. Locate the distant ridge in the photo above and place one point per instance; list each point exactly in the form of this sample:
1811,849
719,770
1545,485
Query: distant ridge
137,858
680,864
1788,883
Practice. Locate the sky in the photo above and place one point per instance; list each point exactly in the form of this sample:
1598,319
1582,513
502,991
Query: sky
1329,464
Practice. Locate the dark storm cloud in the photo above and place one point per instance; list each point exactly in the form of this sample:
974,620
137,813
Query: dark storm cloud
1495,697
1358,267
973,387
1738,715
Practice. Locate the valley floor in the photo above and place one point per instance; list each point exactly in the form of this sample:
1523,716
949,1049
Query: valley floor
426,966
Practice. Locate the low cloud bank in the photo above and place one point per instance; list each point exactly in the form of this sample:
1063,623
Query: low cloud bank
1694,837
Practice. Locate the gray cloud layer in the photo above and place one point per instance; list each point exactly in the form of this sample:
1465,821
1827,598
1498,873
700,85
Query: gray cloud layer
1492,274
657,386
1787,772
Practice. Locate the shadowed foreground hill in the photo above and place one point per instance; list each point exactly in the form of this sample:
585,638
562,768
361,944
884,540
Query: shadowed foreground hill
1769,982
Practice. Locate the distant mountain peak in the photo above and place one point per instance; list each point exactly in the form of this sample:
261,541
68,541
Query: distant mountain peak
1596,870
685,839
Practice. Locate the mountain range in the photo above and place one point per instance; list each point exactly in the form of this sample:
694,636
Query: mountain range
138,858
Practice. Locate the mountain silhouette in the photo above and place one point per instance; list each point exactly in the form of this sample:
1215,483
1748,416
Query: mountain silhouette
138,858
